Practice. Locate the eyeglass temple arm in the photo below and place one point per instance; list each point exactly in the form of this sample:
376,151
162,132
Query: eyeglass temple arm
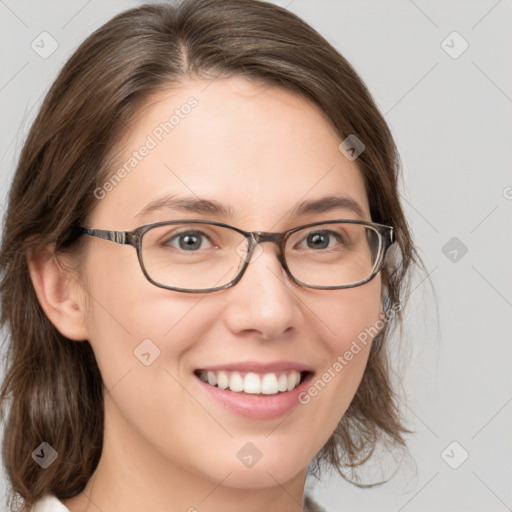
118,237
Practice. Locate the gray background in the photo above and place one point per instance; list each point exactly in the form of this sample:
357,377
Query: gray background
451,118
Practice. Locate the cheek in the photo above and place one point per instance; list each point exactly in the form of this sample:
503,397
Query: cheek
130,317
351,314
351,319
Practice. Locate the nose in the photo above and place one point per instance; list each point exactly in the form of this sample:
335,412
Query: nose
264,302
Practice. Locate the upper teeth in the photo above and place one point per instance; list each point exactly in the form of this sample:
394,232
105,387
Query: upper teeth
266,384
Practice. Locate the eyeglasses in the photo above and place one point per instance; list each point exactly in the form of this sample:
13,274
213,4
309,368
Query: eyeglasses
199,256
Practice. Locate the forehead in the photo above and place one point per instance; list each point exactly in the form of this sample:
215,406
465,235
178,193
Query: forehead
258,150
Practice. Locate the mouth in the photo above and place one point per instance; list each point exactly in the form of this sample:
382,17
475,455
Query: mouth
253,383
253,389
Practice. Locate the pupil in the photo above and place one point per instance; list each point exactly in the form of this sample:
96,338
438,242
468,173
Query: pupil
318,241
190,242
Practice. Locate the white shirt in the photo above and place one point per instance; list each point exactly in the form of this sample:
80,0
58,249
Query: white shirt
49,504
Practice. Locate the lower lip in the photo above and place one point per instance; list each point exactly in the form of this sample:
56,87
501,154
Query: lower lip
261,407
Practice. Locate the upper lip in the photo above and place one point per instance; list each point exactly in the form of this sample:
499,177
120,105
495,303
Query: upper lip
258,367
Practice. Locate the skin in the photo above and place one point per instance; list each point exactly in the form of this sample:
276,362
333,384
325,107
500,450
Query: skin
168,446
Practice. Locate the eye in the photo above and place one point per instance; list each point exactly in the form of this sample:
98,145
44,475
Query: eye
189,241
323,239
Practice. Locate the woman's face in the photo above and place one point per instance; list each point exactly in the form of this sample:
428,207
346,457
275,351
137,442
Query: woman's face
259,153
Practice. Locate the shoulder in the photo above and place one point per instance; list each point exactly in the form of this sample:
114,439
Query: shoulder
49,504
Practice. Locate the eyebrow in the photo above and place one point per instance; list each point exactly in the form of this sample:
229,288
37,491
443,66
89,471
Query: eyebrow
198,205
328,204
187,204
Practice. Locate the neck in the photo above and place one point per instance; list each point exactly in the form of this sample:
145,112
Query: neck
133,475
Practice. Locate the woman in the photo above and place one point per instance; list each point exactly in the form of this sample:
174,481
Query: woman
241,339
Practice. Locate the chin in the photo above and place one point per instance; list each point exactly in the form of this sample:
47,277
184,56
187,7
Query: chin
265,476
267,471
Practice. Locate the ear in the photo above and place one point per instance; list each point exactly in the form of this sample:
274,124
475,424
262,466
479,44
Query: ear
58,293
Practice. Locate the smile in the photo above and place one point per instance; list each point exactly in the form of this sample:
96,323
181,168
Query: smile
270,383
255,389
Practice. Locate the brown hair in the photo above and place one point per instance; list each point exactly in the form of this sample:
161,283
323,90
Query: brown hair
53,389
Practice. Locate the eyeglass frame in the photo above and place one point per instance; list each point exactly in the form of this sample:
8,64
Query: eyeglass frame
134,238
